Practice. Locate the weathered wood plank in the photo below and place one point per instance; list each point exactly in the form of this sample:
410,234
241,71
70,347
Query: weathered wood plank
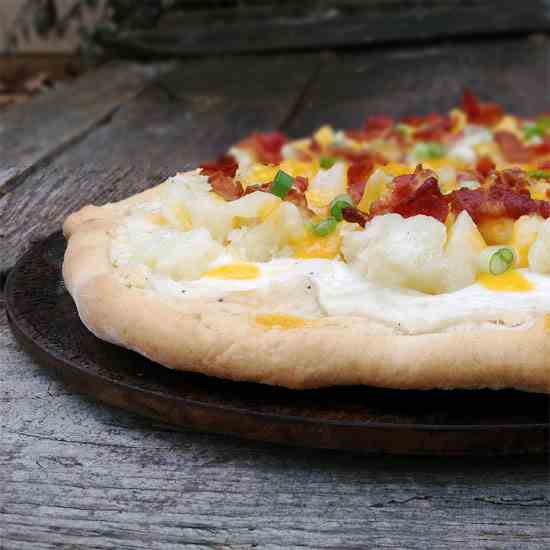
251,26
33,134
193,114
75,474
349,87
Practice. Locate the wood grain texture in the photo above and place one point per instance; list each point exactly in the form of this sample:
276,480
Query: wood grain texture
30,136
221,27
75,474
405,81
192,114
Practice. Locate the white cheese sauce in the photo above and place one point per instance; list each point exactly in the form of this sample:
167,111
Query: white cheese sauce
317,288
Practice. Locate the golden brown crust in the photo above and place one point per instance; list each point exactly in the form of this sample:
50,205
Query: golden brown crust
228,343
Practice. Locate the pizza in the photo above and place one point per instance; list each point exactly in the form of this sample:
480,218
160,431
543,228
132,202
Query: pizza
410,254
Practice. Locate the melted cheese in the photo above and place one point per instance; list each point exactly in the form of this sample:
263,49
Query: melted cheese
280,320
312,246
236,270
510,281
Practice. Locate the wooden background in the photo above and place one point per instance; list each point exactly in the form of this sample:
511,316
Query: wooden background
75,474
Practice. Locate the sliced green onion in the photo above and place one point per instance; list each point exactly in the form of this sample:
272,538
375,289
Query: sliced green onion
281,184
536,129
325,227
326,162
531,130
497,259
405,129
429,150
338,204
541,174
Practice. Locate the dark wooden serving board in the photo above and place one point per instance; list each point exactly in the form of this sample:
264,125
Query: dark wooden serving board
45,322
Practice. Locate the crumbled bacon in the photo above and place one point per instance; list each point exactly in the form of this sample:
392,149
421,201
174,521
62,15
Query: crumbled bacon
414,194
297,197
378,125
512,149
358,174
226,164
507,196
477,112
434,127
221,176
301,183
266,146
352,215
485,166
225,186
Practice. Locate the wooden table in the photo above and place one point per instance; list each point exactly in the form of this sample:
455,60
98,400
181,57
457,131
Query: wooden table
77,474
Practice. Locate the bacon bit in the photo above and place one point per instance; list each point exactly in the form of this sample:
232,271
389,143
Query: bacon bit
377,125
540,149
477,112
352,215
485,166
252,188
266,146
355,157
427,200
507,196
297,197
414,194
511,147
434,127
301,183
358,174
226,186
413,121
226,164
515,179
357,135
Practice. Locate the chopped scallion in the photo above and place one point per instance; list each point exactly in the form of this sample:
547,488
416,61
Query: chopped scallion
338,204
326,162
325,227
281,184
428,150
497,259
540,174
537,128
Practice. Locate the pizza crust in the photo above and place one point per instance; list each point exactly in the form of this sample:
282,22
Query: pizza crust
223,340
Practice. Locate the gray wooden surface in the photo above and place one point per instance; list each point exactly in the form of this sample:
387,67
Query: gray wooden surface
77,474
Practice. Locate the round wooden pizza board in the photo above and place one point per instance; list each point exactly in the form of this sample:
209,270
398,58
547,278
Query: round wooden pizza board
45,322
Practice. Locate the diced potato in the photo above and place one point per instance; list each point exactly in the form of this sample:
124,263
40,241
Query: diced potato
415,252
186,255
393,251
268,239
464,245
539,253
524,234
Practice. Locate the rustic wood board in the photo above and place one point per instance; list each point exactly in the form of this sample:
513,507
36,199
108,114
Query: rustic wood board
78,474
31,137
252,26
45,321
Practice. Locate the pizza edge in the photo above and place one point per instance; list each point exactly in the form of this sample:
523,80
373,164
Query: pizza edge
336,351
